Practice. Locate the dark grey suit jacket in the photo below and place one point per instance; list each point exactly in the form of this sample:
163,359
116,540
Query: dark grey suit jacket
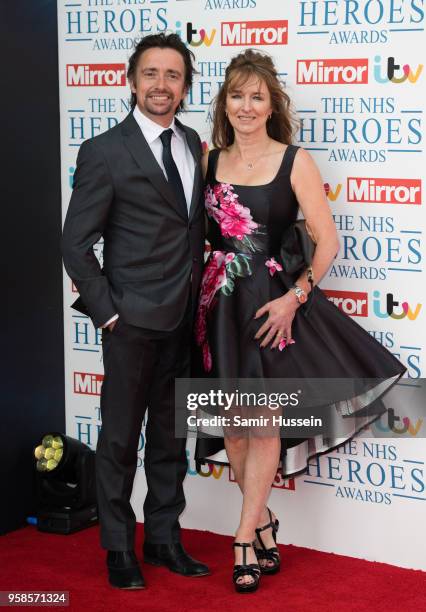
152,248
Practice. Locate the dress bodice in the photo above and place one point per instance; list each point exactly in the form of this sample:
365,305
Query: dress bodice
246,218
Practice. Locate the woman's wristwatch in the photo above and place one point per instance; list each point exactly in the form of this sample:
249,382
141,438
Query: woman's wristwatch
300,294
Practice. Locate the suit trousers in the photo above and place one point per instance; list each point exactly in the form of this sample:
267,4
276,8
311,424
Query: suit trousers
140,367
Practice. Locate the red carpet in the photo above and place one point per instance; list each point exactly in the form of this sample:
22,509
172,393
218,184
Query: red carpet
309,580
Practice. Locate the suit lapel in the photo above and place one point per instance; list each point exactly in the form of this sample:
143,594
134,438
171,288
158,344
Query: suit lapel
140,150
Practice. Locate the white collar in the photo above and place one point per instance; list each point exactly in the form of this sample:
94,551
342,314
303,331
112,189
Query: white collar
150,129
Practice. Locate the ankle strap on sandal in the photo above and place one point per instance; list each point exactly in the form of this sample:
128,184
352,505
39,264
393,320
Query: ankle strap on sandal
273,524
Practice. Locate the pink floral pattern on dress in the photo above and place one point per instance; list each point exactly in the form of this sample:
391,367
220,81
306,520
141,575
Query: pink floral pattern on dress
219,274
234,219
273,266
214,277
237,225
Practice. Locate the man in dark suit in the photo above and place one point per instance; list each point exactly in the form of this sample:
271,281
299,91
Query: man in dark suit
139,186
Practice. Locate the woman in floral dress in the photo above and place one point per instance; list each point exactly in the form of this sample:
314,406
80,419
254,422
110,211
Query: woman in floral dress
251,322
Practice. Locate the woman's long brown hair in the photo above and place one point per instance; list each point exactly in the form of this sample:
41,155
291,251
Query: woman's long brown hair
247,65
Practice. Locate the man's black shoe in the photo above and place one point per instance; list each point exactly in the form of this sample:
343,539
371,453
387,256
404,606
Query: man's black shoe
175,558
123,570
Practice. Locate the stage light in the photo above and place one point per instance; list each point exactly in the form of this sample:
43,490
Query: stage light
65,472
52,449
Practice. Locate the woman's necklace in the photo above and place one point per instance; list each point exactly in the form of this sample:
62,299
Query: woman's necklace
250,165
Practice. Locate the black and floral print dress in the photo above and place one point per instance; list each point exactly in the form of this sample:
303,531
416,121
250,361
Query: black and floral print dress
242,273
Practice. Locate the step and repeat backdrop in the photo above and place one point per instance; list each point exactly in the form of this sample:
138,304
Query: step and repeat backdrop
354,71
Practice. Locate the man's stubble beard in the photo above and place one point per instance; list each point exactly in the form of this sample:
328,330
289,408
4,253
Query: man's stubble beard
158,113
155,111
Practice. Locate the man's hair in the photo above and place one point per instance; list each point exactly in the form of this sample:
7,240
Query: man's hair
162,41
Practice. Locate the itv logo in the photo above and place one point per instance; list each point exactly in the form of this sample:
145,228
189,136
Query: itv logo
391,308
393,71
195,37
397,425
332,194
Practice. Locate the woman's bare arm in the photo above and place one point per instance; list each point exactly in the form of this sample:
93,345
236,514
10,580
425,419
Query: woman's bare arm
308,186
309,189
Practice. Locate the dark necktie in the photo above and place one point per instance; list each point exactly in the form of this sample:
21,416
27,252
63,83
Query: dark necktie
172,172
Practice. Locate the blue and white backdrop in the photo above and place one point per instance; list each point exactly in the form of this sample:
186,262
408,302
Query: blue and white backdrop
354,70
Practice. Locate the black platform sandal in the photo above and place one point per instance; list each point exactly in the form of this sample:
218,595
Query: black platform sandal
251,569
268,554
